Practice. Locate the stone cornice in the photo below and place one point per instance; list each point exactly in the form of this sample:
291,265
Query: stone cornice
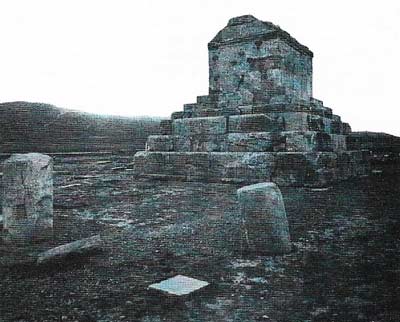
276,34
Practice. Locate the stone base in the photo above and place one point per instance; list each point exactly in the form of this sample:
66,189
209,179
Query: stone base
287,141
310,116
282,168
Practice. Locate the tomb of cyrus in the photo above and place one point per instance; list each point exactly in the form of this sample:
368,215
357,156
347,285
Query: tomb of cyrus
259,121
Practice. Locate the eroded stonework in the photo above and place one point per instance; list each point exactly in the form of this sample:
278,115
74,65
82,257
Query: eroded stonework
259,121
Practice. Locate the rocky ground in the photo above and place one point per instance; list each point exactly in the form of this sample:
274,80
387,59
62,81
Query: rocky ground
344,265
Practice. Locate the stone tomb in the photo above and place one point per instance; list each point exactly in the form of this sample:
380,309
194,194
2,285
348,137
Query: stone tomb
259,121
28,197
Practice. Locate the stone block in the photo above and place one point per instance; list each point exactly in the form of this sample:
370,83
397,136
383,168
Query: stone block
78,247
265,226
202,143
246,109
338,142
295,168
177,115
251,123
190,108
302,121
251,142
166,127
207,112
346,128
200,126
160,143
241,167
309,141
205,99
337,125
316,102
28,197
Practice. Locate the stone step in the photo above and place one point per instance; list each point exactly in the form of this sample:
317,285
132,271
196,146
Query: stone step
225,124
283,168
301,120
209,109
309,141
293,107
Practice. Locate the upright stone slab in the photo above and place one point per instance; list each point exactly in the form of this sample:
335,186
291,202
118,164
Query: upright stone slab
265,226
28,197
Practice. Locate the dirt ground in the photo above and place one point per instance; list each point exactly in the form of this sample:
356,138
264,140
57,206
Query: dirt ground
344,265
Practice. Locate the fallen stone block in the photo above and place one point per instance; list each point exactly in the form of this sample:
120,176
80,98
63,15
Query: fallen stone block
75,248
179,285
265,226
28,197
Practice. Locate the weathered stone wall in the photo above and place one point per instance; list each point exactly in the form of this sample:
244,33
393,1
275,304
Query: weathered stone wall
245,68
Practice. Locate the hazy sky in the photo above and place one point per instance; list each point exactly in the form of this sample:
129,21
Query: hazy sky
150,57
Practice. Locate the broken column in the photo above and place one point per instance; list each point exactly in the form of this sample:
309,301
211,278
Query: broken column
28,197
265,226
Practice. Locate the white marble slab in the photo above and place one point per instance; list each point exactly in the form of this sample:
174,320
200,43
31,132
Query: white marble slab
179,285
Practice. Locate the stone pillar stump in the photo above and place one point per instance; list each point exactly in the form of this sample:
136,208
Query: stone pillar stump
265,227
28,197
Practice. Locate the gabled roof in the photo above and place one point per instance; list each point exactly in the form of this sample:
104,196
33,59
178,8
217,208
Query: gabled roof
246,28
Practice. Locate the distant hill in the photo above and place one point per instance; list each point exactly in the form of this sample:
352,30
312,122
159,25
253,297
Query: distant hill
37,127
373,141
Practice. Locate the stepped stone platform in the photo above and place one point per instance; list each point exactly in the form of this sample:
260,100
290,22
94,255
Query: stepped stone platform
259,121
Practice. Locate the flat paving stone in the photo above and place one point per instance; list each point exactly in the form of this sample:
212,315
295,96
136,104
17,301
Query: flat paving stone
179,285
